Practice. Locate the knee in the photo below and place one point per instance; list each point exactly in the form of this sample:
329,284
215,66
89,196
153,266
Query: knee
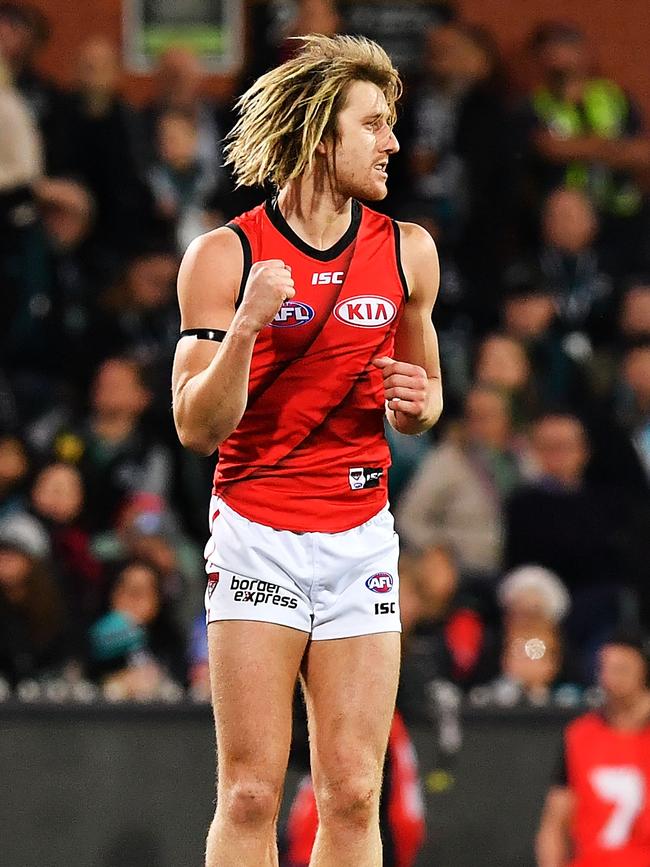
249,802
349,802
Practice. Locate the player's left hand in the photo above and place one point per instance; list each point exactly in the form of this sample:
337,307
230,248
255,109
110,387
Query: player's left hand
405,388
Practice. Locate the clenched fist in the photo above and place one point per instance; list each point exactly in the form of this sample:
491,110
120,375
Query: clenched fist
405,390
268,286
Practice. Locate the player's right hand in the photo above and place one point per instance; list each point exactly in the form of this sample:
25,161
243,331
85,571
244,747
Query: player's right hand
268,286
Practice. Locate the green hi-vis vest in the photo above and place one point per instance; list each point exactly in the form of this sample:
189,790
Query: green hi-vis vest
603,111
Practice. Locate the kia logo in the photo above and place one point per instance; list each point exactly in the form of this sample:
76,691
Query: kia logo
366,311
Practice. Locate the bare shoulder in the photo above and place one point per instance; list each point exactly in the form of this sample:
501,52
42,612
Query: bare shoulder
420,262
209,276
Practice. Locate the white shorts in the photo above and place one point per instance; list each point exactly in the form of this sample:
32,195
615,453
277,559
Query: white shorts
331,585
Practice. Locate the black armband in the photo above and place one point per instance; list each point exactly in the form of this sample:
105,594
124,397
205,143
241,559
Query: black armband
204,334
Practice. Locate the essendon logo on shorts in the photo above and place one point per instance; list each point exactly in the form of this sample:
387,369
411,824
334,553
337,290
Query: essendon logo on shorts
260,592
366,311
213,580
364,477
380,582
293,313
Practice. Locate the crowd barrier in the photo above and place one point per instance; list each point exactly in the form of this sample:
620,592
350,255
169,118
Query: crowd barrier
133,785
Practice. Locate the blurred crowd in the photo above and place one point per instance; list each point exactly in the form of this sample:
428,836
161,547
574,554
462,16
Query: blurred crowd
524,515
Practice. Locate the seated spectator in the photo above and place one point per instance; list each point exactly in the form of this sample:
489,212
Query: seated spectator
147,530
579,530
180,185
634,399
14,469
455,62
529,316
24,32
534,603
113,447
178,89
456,497
107,149
57,500
140,319
585,132
502,364
571,266
134,650
34,623
446,634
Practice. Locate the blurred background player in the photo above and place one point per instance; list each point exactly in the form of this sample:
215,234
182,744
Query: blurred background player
597,813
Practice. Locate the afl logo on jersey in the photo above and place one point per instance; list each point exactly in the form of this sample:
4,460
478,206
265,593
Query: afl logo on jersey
381,582
366,311
293,313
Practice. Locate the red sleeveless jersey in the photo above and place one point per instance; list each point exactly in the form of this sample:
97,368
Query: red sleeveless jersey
310,452
609,773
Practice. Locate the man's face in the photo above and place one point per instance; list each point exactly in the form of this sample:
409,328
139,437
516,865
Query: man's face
561,448
561,58
358,158
621,672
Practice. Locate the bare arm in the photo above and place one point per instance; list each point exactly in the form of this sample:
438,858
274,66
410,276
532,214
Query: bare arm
553,844
210,380
628,154
412,380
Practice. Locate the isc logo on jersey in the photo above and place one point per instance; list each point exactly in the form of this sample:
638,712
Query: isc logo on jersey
293,313
380,582
366,311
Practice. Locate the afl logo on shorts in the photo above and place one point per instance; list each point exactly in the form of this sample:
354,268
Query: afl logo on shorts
366,311
380,582
292,313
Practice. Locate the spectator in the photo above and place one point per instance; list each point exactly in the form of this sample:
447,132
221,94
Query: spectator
456,498
24,32
534,603
147,530
502,363
455,62
446,633
107,150
114,449
571,266
57,500
34,625
586,133
180,184
178,84
48,345
578,530
14,469
133,648
140,319
634,402
529,316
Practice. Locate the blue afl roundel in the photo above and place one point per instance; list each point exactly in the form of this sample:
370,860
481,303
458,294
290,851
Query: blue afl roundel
293,313
380,582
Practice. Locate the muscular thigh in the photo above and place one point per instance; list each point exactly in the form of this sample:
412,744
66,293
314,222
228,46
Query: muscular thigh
350,686
253,672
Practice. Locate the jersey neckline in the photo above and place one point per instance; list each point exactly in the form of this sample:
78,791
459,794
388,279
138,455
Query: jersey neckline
276,217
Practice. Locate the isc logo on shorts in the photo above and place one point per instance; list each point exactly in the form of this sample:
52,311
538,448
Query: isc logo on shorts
366,311
292,313
380,582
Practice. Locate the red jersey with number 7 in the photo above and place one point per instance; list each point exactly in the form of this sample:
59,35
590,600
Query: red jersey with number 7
608,771
310,453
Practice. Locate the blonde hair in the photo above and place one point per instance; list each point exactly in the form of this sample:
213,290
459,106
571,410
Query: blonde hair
289,110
